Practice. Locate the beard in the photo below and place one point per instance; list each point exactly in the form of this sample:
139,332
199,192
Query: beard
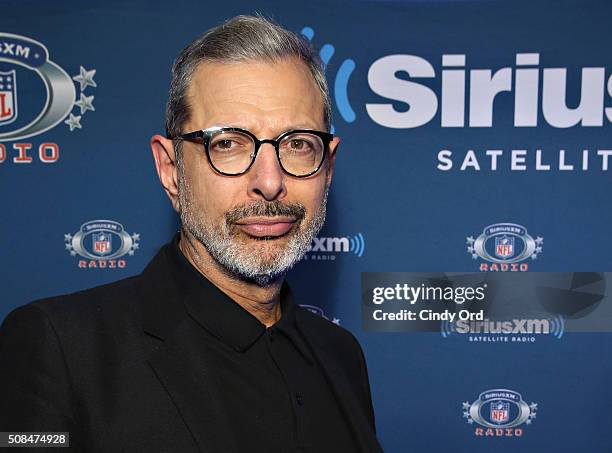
263,260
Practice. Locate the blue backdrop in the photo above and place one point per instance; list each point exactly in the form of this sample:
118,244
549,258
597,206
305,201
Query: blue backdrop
454,116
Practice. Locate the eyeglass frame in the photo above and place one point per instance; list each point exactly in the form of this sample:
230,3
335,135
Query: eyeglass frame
206,135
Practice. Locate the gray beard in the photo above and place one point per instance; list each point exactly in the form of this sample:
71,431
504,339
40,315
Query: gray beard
255,261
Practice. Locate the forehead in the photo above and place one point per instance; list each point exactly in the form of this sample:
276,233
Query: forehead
256,95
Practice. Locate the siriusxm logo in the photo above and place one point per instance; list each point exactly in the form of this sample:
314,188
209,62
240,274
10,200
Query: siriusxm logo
343,244
481,87
415,91
513,330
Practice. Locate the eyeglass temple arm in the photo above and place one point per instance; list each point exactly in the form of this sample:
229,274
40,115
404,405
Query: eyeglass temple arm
189,136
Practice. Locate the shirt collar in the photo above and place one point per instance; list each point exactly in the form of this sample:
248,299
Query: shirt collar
222,316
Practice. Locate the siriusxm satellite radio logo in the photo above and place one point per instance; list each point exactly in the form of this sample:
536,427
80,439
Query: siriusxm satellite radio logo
499,413
504,247
327,248
466,98
517,330
36,95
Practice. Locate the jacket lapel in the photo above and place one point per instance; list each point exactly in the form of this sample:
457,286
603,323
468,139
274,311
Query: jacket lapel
178,359
341,387
180,366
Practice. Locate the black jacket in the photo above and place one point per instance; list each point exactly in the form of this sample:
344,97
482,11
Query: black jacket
121,368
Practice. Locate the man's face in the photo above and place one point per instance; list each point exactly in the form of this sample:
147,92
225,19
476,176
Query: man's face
256,225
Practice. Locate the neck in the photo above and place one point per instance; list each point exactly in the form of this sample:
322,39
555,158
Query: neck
261,302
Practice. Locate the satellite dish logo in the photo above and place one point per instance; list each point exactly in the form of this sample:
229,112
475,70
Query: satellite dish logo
507,331
340,92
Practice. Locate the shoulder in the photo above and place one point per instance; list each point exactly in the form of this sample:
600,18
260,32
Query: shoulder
107,298
87,310
110,301
52,349
328,334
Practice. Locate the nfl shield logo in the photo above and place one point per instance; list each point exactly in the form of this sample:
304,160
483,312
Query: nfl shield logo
500,411
8,97
504,246
102,243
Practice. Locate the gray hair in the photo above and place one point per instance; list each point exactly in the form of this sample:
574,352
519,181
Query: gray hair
239,39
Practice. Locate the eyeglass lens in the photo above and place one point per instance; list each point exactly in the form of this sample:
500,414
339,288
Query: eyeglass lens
232,152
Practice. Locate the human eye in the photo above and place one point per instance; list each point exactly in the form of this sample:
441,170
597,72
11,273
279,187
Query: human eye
225,143
300,143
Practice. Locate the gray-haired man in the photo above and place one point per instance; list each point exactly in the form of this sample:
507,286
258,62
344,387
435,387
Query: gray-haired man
205,350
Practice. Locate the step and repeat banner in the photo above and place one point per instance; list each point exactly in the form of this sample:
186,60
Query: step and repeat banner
468,235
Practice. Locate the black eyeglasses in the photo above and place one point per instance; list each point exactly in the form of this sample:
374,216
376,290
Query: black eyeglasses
232,151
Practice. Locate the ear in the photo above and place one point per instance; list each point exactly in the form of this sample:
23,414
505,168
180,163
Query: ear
331,158
165,164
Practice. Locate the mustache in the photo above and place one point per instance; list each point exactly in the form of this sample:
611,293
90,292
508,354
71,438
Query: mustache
265,209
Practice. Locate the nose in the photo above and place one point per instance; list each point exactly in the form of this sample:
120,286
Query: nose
266,177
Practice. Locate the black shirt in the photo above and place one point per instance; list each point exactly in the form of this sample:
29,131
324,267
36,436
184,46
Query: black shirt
275,394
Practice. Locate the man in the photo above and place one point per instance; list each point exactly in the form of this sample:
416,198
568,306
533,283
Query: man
206,350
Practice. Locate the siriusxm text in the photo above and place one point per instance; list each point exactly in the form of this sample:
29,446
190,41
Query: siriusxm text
329,244
480,87
13,49
514,326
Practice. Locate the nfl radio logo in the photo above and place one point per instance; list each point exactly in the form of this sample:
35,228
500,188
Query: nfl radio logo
500,411
102,243
8,97
504,246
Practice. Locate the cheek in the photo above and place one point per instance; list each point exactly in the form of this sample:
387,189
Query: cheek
205,193
216,195
310,193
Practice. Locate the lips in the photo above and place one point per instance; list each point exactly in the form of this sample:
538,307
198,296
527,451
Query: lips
266,226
